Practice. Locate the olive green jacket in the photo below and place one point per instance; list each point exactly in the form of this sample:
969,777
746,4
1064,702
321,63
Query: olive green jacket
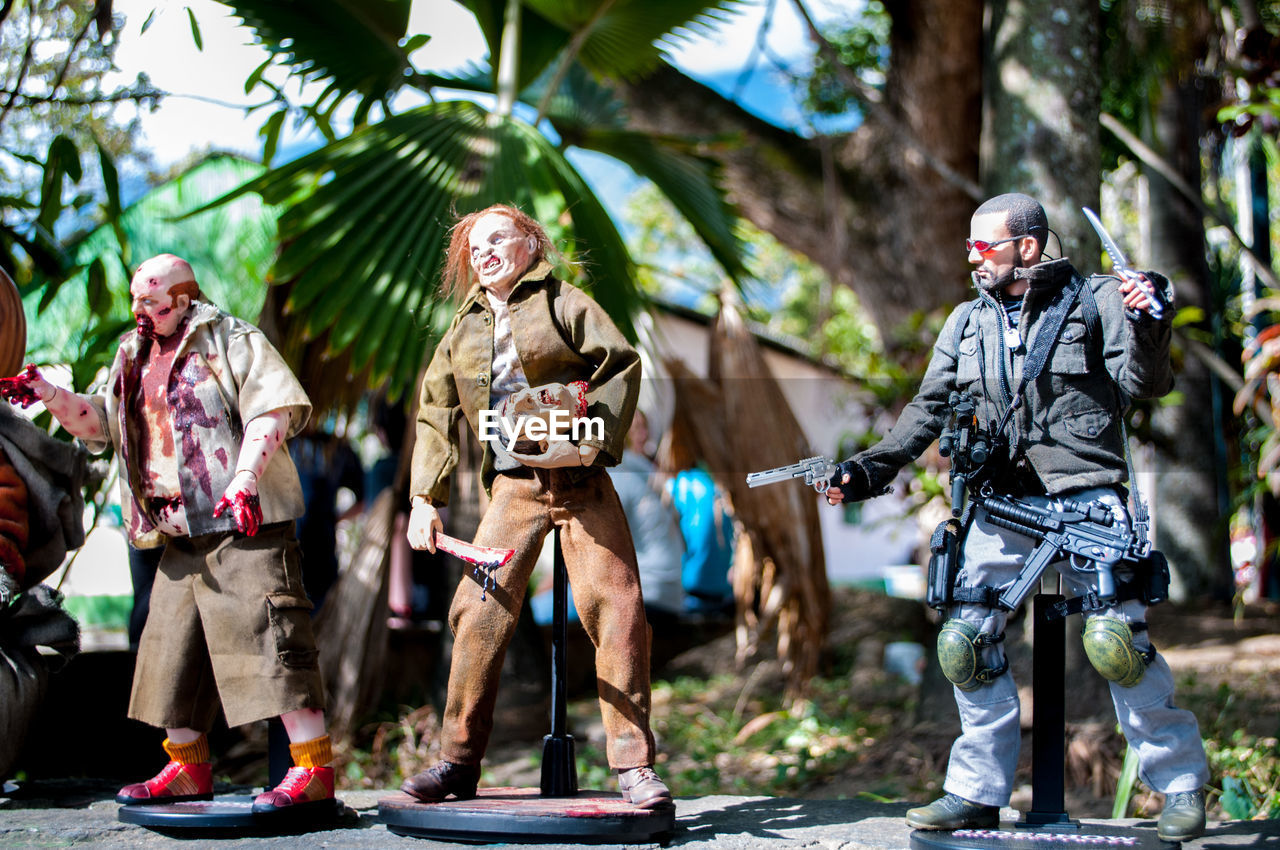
1069,424
561,335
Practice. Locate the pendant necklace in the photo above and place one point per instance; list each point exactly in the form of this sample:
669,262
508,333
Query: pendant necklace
1012,339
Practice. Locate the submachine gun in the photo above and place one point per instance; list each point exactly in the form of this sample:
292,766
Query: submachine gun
1087,533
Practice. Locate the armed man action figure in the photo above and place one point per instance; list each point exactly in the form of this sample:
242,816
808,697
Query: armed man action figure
522,339
1056,436
197,405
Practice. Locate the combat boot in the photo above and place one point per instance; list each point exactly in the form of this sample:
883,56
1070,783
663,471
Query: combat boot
442,779
953,812
1183,816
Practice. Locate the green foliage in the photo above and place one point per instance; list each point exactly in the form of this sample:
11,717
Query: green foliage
60,142
627,38
1125,784
784,292
1247,770
719,739
54,57
368,214
363,250
862,44
360,50
78,318
1238,724
1134,58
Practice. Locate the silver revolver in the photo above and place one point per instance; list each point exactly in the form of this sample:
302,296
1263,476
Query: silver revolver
816,471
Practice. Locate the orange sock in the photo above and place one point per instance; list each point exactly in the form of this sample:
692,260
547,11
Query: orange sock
314,753
195,752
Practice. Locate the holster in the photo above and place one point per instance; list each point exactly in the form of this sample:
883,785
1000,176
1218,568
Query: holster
944,564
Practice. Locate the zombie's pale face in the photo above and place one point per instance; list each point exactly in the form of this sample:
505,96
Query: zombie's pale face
158,313
500,252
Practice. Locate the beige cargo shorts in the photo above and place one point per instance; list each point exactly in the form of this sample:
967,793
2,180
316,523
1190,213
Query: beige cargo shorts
228,621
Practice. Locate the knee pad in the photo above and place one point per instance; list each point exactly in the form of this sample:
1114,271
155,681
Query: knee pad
960,648
1108,641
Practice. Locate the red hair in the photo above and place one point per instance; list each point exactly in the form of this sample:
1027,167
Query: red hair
458,275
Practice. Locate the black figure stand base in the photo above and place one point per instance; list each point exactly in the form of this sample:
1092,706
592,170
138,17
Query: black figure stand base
231,814
1046,825
557,810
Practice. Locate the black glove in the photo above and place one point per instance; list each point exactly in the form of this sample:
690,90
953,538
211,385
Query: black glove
858,489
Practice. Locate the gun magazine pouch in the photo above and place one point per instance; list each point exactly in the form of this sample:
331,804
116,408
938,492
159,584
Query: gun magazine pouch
1152,577
944,564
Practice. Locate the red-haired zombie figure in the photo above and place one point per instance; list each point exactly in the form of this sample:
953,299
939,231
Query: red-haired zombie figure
525,351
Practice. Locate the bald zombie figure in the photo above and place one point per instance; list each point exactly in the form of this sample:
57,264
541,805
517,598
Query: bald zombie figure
198,405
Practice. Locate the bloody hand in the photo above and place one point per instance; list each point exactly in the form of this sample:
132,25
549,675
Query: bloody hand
245,507
19,389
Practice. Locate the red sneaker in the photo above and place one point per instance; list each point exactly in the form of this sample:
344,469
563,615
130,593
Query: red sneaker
174,784
300,786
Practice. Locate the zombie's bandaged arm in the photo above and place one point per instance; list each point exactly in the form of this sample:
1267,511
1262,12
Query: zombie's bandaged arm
80,415
262,438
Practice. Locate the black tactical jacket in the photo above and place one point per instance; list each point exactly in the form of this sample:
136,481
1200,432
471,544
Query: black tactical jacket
1068,427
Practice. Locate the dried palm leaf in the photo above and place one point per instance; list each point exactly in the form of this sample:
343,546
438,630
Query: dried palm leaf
351,630
789,579
741,415
326,376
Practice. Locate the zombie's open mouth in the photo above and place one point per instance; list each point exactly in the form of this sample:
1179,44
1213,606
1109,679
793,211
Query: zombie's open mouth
146,327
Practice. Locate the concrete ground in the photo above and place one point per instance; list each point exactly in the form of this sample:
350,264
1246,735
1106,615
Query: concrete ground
82,814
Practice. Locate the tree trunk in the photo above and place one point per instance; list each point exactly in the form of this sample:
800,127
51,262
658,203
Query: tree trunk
1040,131
1191,521
1041,137
896,215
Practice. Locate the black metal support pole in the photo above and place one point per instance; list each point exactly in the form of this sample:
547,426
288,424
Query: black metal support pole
279,759
1048,735
559,768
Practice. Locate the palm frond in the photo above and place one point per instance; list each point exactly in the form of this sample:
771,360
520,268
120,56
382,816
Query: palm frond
354,44
586,114
691,182
627,38
368,218
540,40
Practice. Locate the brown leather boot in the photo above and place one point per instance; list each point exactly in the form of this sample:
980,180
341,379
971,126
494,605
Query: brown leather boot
642,788
442,779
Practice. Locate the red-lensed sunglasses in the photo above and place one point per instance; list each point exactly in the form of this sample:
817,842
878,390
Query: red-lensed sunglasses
983,247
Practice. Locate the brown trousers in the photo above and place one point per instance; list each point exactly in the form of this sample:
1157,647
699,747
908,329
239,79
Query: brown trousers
229,619
600,561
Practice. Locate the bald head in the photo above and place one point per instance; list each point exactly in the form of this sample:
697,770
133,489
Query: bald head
162,290
166,273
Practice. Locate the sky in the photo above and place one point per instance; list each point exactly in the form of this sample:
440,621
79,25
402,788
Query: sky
205,107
